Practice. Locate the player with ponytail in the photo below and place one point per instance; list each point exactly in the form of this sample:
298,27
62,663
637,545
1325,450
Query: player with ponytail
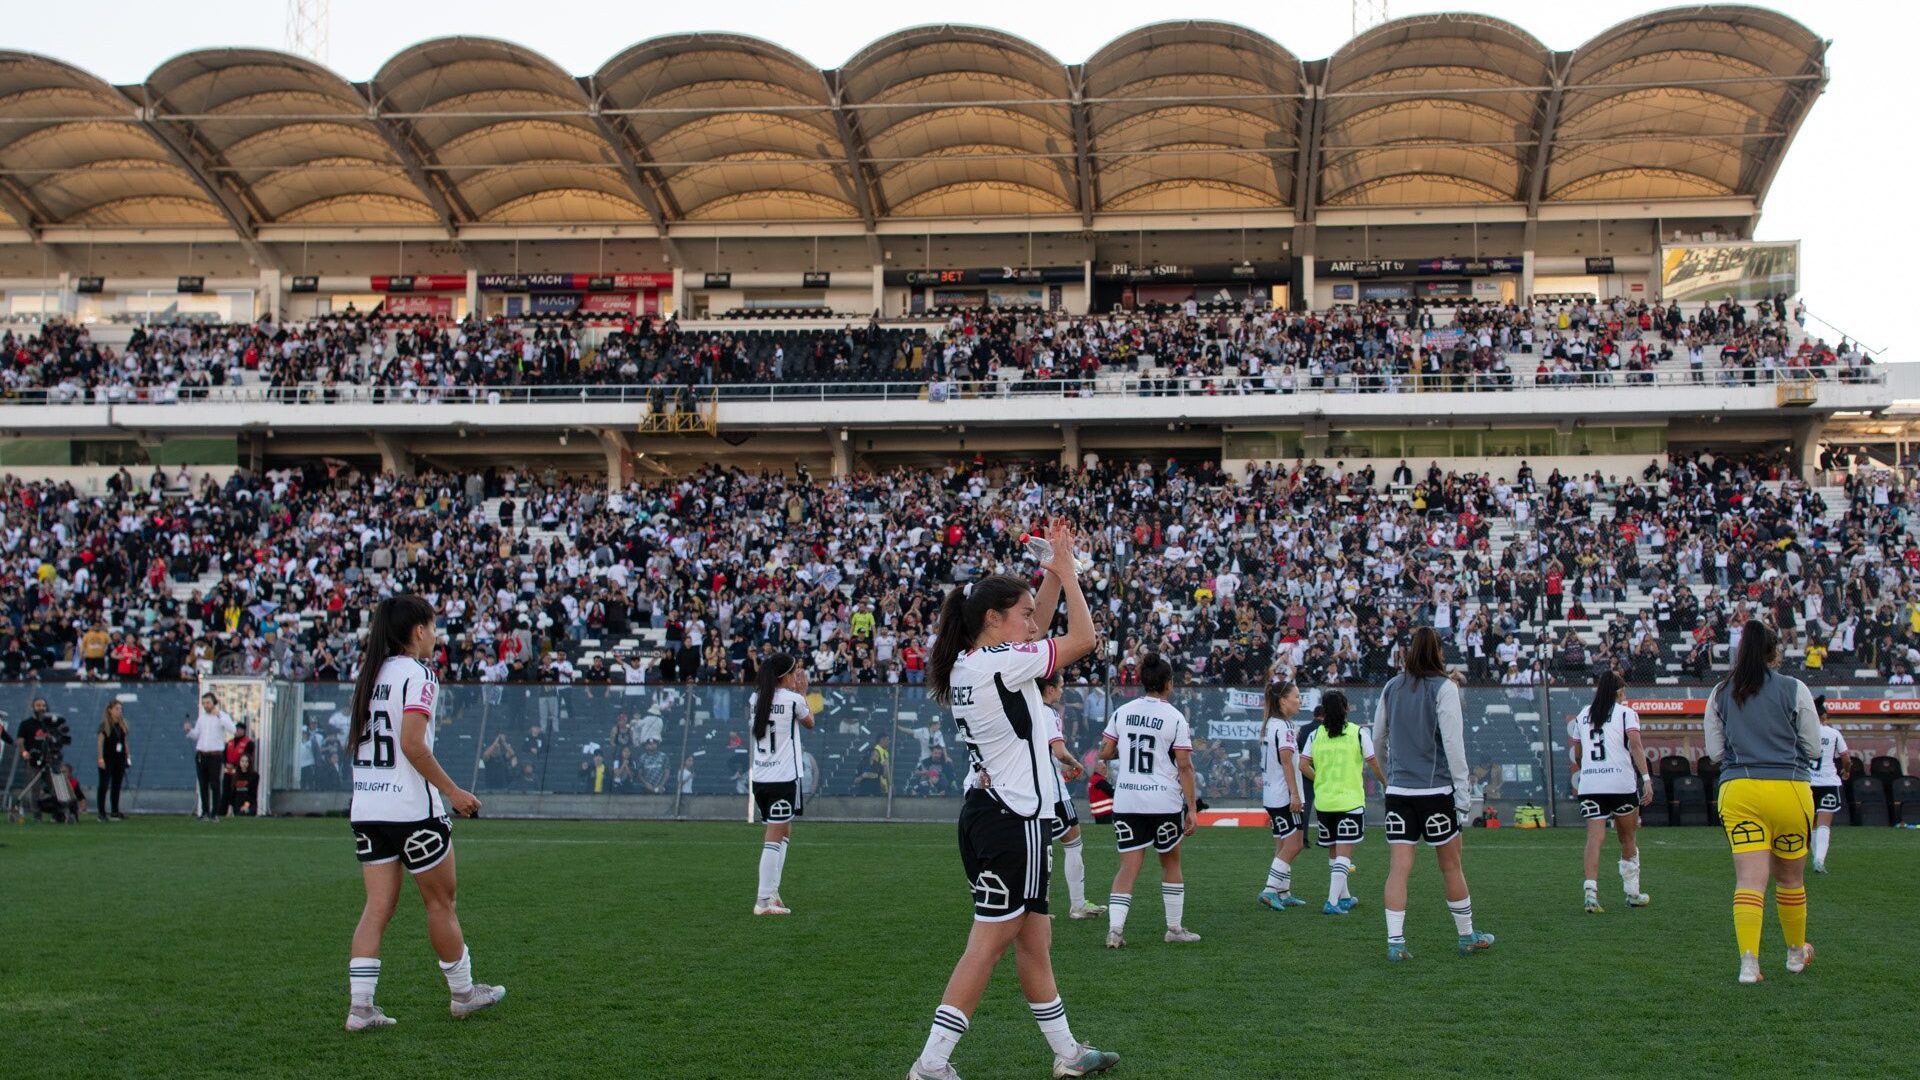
1280,793
399,808
1335,759
1610,782
779,708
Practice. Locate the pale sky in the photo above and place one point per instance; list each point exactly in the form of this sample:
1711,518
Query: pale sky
1836,192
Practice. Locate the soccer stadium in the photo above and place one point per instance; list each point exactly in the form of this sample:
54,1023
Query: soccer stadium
715,463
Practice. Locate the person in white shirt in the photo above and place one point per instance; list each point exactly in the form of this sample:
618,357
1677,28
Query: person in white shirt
210,732
779,710
399,811
1280,793
1828,776
1154,802
985,666
1610,782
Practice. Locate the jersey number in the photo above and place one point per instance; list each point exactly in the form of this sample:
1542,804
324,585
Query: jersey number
380,740
1140,753
1597,738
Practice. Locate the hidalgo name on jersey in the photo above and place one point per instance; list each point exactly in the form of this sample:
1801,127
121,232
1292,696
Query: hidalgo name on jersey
1146,780
776,758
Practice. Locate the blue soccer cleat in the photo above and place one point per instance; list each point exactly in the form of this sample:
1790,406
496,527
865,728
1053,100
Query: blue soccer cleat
1475,942
1397,951
1347,904
1331,908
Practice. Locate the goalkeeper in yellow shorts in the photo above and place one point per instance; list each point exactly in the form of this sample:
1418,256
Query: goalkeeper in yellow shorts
1764,731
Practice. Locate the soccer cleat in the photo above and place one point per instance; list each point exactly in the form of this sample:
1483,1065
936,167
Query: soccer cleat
1115,940
1478,941
770,906
1331,908
931,1072
365,1017
1820,867
1086,1063
1639,900
1347,903
1272,900
1798,960
480,997
1750,968
1397,951
1590,899
1180,935
1085,910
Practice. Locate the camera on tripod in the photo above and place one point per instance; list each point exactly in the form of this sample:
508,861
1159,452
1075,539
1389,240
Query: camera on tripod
46,747
43,745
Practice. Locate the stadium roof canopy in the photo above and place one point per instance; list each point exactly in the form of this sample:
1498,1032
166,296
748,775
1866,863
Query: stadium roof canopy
937,122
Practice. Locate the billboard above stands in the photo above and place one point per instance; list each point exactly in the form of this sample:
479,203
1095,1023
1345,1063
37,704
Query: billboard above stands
574,282
608,304
1736,271
414,304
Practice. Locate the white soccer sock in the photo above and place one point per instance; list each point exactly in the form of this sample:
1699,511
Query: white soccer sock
363,972
1280,876
1822,834
1630,875
1396,927
1462,914
1337,882
949,1024
1117,907
1076,872
1174,896
780,866
1052,1018
769,870
459,973
1592,887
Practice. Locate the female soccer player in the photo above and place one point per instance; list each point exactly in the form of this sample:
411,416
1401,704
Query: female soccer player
779,707
1832,772
1281,797
1151,746
399,809
1333,760
1610,783
1066,822
1762,728
1418,723
984,667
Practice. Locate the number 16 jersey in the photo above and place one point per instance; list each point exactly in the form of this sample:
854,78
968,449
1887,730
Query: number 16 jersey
386,786
1145,778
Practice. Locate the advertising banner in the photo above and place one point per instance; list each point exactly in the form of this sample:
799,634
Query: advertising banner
408,283
1740,271
573,282
608,304
552,303
409,304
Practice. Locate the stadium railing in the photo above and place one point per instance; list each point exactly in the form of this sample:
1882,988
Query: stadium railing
863,757
1127,385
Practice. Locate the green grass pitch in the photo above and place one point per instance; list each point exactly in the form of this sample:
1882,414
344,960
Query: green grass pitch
169,948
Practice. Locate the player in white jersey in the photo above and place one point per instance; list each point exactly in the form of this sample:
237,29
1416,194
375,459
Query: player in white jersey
1828,776
399,809
1280,793
1610,782
985,666
777,767
1066,820
1151,748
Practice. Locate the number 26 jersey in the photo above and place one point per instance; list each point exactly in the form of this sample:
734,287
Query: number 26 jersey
1145,778
386,786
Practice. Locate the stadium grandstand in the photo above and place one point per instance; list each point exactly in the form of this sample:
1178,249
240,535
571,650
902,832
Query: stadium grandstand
643,371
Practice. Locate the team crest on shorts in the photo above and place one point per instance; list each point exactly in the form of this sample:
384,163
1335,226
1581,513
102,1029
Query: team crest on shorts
362,844
989,891
1590,807
1167,833
1746,832
1438,823
1347,829
1396,825
779,808
1788,843
423,845
1123,832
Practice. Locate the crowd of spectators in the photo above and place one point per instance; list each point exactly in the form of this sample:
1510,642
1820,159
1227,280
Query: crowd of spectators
1370,346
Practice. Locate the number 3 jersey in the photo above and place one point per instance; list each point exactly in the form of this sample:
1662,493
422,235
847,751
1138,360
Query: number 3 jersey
1606,765
1145,778
386,786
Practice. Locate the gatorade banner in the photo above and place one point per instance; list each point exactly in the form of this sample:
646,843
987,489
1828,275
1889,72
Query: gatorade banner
1835,706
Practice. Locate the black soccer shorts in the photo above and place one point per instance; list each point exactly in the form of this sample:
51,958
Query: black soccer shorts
1131,832
1283,820
1597,806
1006,858
1826,800
419,845
1064,818
778,800
1413,818
1345,827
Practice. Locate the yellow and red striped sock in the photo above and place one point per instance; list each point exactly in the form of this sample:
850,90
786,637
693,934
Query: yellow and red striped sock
1791,904
1749,908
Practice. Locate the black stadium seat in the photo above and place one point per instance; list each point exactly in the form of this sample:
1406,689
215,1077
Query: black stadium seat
1690,795
1906,800
1870,805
